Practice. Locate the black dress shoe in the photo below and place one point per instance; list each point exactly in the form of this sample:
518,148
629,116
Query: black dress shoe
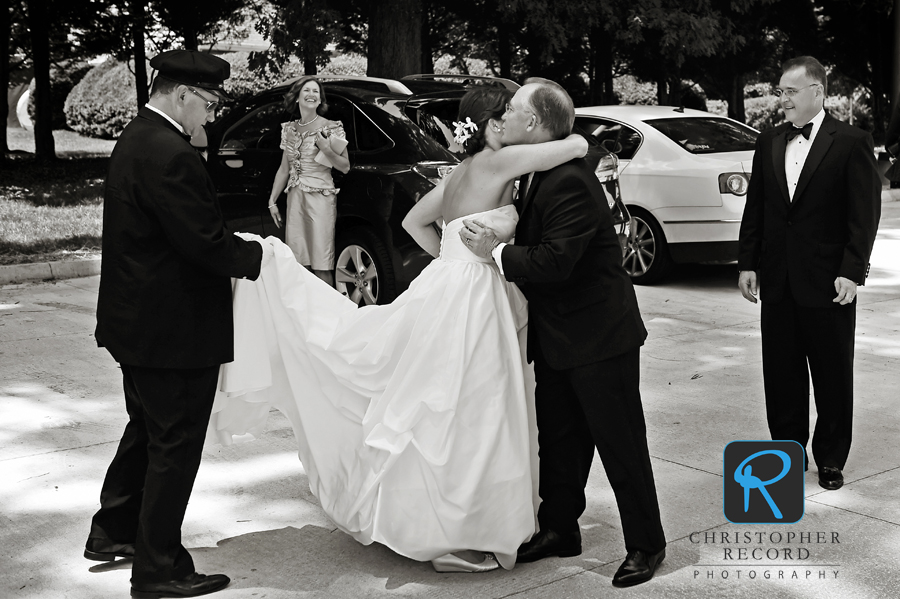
104,550
830,478
548,542
638,567
192,586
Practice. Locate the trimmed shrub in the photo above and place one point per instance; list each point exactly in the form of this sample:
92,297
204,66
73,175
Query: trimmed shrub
354,65
61,83
763,112
104,101
839,108
245,82
631,91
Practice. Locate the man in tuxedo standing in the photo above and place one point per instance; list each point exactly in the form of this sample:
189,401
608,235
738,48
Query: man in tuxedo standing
164,313
584,337
807,233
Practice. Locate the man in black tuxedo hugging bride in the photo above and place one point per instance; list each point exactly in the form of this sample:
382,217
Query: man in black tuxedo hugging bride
584,337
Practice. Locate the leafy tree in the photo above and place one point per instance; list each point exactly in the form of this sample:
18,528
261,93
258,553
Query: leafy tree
762,34
857,38
395,38
301,28
192,21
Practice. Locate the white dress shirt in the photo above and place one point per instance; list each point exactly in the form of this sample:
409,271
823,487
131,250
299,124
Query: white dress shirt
796,152
167,117
498,251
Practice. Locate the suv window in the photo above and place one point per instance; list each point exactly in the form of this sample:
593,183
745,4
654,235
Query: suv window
619,139
261,128
362,134
706,135
435,118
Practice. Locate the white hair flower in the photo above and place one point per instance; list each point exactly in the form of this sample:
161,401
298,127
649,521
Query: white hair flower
464,130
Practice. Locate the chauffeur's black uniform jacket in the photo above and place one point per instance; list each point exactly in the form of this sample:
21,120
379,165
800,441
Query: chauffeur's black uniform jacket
165,289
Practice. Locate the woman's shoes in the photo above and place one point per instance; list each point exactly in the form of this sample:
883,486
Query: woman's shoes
451,563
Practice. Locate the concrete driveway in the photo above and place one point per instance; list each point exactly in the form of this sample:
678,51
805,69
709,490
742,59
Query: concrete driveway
253,518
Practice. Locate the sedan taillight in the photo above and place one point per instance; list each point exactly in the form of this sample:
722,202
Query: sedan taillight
734,183
608,168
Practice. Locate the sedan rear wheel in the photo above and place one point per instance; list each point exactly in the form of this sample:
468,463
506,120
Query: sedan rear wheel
646,253
363,270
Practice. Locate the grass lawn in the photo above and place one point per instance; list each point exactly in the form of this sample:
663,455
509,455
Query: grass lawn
68,143
52,211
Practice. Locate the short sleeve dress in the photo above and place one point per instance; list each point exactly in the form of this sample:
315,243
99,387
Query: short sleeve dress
311,196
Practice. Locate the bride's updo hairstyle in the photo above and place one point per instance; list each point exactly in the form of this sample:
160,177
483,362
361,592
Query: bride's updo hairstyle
480,105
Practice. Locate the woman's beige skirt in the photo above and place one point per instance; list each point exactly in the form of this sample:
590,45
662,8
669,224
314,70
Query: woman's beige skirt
309,227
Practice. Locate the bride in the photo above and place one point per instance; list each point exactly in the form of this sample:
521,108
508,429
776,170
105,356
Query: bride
411,418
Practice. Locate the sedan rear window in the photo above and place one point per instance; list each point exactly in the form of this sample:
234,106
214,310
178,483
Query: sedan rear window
706,135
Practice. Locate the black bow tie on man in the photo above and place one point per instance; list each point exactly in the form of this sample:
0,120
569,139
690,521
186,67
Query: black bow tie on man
794,131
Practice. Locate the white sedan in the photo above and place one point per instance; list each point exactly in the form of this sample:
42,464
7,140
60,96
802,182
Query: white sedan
683,176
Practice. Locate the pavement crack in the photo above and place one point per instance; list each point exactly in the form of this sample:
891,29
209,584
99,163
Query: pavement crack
32,455
843,509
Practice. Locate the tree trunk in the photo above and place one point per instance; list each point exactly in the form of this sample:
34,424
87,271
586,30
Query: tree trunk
190,40
674,98
309,63
138,12
44,147
604,66
736,99
5,32
427,62
895,62
662,91
503,47
395,38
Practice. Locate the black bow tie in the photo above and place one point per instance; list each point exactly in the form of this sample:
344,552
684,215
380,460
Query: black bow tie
793,132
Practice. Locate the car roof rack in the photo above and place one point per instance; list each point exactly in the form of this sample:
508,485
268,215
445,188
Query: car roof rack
389,85
467,79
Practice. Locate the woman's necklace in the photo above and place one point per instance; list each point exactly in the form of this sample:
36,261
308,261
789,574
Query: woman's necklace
309,122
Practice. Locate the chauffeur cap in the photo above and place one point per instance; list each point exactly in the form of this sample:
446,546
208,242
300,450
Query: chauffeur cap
197,69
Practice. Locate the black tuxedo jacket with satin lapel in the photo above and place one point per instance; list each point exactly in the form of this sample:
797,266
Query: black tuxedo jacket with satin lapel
165,288
568,263
827,231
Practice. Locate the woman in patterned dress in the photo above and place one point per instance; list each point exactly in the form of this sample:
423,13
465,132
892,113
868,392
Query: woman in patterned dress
305,170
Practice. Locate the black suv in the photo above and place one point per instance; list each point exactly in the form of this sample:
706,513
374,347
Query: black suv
400,142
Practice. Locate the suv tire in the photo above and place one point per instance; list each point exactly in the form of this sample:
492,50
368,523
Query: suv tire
363,270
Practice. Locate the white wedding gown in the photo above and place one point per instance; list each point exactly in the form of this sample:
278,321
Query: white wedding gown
412,419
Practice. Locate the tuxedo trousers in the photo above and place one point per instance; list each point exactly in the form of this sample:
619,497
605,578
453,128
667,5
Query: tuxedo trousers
148,484
578,409
800,342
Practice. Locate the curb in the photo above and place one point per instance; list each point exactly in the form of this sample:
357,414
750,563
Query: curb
48,271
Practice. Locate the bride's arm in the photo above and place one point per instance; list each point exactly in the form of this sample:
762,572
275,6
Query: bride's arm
510,162
418,221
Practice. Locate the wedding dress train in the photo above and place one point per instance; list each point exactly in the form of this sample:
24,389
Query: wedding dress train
412,419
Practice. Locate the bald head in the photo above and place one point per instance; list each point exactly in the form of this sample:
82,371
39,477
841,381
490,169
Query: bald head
552,105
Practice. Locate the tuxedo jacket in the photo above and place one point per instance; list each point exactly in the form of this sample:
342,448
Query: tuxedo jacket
568,262
829,227
165,287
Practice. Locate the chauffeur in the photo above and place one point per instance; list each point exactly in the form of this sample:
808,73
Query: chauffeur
164,313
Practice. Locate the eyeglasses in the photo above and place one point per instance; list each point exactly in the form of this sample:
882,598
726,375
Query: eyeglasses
211,105
791,92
